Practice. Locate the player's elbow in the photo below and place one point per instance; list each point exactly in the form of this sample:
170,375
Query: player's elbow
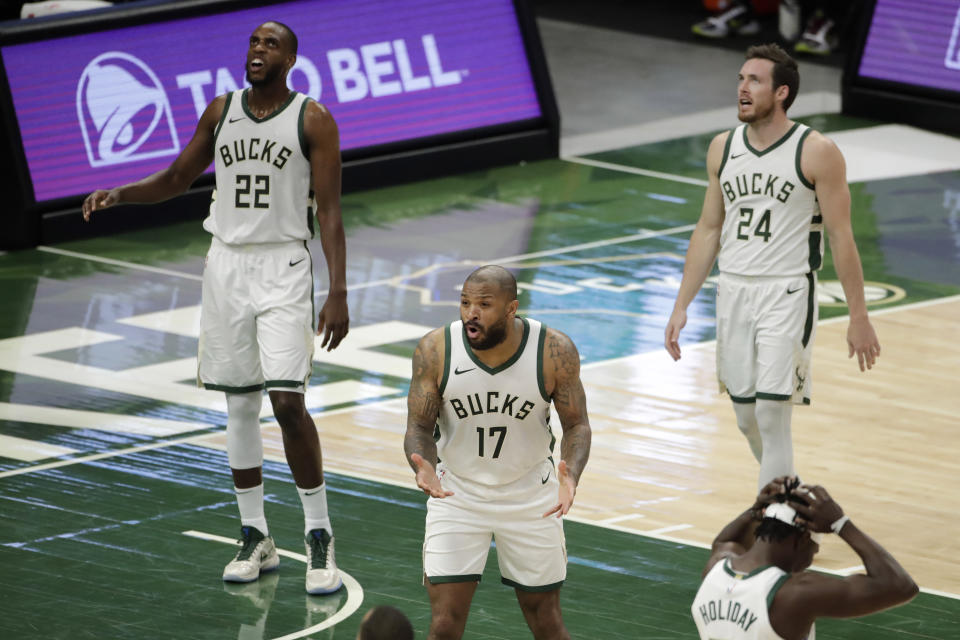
898,590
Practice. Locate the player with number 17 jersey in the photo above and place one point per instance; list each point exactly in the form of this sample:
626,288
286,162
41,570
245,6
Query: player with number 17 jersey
263,174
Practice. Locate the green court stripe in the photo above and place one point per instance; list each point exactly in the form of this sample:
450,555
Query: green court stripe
541,589
119,263
636,171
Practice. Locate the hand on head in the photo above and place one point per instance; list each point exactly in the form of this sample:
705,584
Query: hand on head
820,510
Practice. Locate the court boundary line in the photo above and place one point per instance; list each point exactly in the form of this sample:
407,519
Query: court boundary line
354,589
623,168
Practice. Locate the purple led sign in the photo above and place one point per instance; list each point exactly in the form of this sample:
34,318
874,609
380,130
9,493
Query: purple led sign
915,42
101,109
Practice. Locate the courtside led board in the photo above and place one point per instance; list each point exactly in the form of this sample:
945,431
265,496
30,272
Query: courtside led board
104,108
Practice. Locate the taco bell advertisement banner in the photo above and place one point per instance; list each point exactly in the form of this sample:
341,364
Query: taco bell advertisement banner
101,109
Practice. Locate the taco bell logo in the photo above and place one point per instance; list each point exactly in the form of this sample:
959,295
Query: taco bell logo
123,111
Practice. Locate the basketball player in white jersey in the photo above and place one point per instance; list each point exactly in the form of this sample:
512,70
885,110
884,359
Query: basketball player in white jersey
485,384
756,587
270,145
774,185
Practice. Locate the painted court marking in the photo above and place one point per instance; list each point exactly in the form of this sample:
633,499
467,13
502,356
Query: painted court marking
354,590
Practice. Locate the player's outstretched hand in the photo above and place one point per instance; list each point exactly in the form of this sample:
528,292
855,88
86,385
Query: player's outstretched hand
427,478
862,340
99,199
333,321
821,512
568,489
671,335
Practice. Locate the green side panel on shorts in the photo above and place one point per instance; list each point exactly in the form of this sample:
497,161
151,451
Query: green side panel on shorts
313,304
739,400
223,116
540,382
809,319
447,347
467,577
229,389
285,384
771,396
541,589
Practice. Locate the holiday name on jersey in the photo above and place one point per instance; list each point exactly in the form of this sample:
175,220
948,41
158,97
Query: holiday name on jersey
757,184
254,149
493,405
728,611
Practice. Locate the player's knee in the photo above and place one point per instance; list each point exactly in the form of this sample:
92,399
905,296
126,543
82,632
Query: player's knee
288,409
446,625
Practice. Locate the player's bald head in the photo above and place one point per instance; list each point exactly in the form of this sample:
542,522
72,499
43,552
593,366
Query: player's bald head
289,36
497,276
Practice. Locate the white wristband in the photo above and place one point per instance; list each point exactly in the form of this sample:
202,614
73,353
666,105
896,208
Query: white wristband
838,525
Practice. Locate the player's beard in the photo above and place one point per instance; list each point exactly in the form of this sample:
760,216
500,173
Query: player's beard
269,76
489,337
757,115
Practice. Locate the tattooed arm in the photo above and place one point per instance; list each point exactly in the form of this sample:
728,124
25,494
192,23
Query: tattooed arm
561,375
423,408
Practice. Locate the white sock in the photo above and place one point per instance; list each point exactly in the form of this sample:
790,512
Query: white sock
250,502
315,509
747,422
773,419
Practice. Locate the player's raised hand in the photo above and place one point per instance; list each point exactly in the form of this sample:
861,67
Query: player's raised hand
99,199
333,321
568,489
671,335
862,340
821,510
427,478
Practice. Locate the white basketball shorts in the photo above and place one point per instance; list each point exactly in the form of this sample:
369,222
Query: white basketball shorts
531,549
765,332
256,321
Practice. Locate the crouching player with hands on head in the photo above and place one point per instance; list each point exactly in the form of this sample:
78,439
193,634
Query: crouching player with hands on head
756,585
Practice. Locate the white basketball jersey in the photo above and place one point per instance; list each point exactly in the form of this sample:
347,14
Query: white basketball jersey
263,174
494,423
734,606
772,225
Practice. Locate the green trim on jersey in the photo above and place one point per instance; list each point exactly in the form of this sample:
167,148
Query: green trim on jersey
742,576
803,178
229,389
776,587
540,589
280,109
740,400
467,577
304,147
283,384
310,213
223,117
776,144
815,259
506,365
726,152
540,381
447,350
772,396
808,322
